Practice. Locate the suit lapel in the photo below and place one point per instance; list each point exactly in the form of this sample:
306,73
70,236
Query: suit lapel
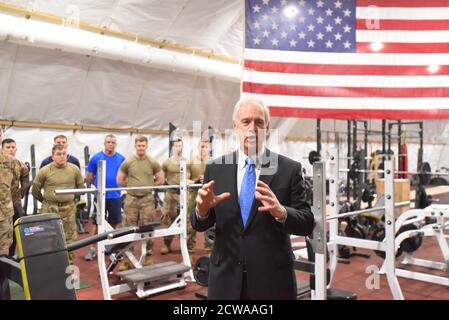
266,178
230,172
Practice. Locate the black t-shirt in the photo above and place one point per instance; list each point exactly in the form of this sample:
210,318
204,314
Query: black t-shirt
70,159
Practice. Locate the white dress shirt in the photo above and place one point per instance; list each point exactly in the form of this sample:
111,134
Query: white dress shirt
241,168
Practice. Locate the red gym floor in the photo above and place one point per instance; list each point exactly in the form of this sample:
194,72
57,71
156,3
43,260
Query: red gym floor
350,277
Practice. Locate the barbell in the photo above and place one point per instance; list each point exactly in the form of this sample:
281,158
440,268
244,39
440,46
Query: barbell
94,190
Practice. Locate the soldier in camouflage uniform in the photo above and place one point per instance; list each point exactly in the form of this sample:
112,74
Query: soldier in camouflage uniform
59,175
137,171
171,200
9,147
197,165
9,178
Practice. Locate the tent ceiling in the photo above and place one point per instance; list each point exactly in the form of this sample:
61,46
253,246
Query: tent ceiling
215,25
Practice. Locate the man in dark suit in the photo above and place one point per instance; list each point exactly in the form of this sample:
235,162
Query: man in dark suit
257,199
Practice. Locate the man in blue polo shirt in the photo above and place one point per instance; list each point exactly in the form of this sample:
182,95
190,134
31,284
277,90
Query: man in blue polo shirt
113,198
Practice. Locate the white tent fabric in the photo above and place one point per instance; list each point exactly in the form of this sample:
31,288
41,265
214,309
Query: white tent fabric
50,86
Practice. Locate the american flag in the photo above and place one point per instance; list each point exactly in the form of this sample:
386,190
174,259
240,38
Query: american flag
371,59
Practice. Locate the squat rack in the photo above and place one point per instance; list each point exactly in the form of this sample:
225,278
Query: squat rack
320,232
138,278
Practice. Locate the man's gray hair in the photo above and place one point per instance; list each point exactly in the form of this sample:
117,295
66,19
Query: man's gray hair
247,101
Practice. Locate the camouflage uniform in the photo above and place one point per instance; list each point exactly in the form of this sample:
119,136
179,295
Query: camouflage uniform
51,178
17,195
9,178
191,233
67,212
139,207
139,211
197,168
170,210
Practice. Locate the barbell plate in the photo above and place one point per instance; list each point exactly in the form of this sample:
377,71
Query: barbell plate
201,271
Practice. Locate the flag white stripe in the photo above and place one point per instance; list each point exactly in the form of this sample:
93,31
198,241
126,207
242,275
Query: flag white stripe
432,36
374,13
352,103
391,59
346,81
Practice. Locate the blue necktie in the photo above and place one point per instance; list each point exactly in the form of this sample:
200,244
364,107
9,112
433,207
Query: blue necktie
247,190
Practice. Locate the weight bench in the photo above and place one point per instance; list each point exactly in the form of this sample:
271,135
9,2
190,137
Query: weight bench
142,277
304,287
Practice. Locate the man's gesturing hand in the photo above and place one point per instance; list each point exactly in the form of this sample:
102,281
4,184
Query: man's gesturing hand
206,198
269,201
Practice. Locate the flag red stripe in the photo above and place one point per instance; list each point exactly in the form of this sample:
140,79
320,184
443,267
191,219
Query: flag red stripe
364,47
403,4
331,113
336,69
419,25
346,92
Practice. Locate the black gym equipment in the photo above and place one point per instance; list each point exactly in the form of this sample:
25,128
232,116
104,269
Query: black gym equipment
308,266
27,193
409,245
201,271
402,124
314,156
356,227
83,207
201,275
43,261
81,213
88,195
308,187
171,133
209,235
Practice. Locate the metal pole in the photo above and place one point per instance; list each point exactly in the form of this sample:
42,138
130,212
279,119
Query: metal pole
399,145
384,150
365,126
171,129
335,209
318,136
368,210
348,182
33,174
183,215
101,210
421,146
354,149
101,195
390,233
86,162
361,182
319,232
390,125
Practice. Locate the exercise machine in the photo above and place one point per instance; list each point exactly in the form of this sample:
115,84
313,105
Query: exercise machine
42,267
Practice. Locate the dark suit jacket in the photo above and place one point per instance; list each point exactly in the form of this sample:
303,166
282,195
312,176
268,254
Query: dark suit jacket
263,247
